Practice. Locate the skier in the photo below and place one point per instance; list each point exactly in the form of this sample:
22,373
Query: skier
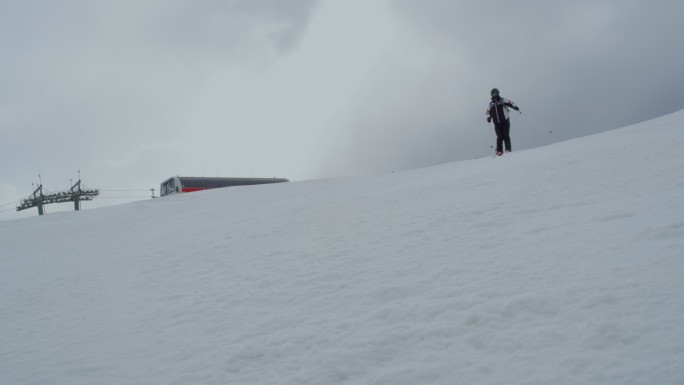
498,111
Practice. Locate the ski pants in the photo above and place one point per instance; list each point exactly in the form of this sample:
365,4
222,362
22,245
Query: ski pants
503,131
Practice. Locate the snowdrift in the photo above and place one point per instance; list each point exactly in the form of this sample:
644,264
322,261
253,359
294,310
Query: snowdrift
558,265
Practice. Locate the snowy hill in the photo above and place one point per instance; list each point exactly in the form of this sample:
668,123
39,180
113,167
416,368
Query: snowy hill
558,265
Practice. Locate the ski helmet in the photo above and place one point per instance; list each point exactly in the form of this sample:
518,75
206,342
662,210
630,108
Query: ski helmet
495,92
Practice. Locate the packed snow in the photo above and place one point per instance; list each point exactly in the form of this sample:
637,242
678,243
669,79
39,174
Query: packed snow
558,265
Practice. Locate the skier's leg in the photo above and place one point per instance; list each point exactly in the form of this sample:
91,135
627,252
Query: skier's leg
499,137
506,131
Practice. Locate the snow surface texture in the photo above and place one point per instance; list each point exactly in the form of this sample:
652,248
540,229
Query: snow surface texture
558,265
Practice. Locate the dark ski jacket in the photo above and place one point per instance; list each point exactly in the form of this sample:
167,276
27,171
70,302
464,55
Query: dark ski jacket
498,109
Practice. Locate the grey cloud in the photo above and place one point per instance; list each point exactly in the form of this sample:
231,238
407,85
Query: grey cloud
239,29
575,68
109,80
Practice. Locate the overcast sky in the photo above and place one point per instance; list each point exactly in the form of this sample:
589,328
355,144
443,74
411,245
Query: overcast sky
133,92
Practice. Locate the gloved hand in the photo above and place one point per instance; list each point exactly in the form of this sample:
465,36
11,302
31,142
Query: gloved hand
516,108
489,119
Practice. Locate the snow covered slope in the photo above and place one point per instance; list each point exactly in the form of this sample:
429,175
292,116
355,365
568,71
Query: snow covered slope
558,265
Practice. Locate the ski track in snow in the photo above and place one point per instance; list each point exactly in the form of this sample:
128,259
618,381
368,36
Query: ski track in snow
562,264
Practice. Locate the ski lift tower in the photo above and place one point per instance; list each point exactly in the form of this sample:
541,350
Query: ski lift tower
37,199
75,194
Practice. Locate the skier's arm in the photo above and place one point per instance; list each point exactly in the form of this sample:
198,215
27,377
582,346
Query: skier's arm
489,117
509,103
